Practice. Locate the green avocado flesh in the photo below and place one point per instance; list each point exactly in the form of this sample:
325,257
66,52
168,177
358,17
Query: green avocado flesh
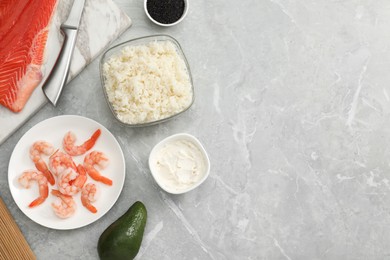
123,238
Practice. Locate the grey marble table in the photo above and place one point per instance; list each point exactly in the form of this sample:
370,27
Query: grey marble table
292,105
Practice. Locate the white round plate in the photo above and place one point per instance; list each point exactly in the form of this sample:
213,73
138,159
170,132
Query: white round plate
53,130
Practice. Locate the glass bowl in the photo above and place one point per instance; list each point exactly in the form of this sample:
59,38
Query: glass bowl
116,50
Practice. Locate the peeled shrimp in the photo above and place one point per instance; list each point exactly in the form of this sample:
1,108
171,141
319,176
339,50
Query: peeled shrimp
70,182
99,159
38,148
72,149
60,162
88,195
31,175
65,206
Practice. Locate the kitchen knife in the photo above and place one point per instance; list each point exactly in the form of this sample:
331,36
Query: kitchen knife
58,76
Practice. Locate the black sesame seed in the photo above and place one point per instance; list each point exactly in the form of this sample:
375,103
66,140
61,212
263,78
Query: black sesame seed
165,11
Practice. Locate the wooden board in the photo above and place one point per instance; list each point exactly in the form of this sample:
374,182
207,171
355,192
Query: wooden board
13,245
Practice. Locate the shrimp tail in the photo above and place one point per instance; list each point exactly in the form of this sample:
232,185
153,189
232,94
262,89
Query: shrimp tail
37,202
88,205
46,172
49,176
91,141
43,194
105,180
101,178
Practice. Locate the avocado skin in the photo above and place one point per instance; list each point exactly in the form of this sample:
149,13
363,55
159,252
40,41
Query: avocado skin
123,238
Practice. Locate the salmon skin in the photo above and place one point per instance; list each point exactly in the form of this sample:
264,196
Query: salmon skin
24,26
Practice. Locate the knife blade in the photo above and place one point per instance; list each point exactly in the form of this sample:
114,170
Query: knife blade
58,76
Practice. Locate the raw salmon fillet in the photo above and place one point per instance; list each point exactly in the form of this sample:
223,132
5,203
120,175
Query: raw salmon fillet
23,35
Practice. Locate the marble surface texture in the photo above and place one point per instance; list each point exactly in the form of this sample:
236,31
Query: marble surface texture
292,105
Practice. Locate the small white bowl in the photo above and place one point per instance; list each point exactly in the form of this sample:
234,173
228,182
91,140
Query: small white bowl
153,162
186,6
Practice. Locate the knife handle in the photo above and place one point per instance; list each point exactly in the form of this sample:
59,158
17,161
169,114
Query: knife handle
57,78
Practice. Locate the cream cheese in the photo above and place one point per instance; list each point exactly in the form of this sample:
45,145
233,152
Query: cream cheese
179,165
